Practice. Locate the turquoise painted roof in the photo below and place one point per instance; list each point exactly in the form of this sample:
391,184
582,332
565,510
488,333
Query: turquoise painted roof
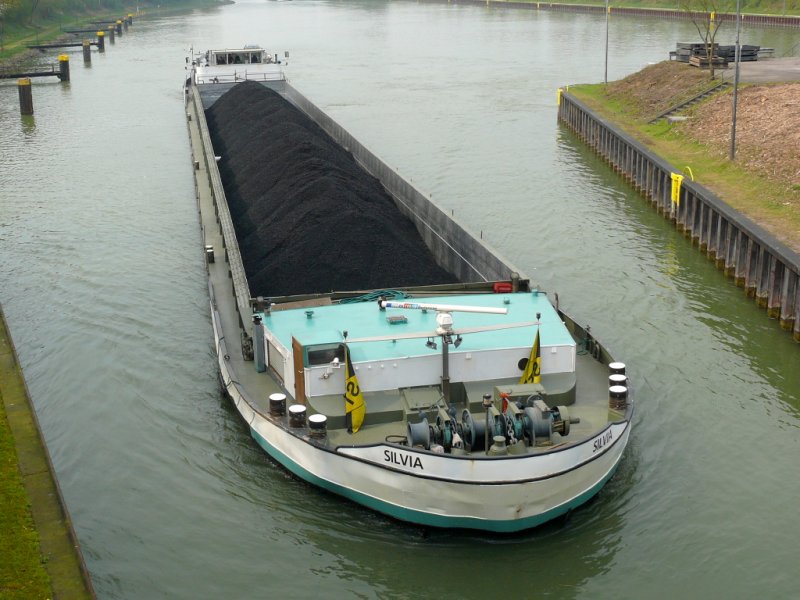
364,319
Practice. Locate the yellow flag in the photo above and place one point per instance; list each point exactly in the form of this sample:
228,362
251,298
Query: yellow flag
533,370
354,406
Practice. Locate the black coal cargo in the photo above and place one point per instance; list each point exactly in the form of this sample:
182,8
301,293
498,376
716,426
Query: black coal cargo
307,217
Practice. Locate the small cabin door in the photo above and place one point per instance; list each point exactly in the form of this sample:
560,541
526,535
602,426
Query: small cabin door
299,379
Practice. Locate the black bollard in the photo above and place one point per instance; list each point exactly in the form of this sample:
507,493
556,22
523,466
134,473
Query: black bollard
25,96
119,27
87,52
101,41
111,33
63,67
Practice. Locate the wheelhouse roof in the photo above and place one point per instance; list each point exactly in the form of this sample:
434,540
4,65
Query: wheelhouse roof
325,325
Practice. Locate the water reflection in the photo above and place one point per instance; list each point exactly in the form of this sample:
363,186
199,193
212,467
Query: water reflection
397,560
28,124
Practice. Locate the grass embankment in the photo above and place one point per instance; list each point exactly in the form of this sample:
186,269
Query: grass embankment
22,572
763,182
17,36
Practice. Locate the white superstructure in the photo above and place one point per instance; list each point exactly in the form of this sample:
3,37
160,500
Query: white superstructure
230,65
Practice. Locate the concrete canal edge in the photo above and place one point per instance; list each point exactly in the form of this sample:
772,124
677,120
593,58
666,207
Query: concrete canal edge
767,269
61,555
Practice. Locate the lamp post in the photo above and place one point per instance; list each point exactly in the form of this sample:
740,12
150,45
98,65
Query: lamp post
605,77
737,59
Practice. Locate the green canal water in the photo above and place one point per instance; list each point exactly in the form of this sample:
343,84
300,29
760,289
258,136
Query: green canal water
102,282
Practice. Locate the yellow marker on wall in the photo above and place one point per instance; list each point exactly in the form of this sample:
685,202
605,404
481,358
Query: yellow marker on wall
558,98
676,188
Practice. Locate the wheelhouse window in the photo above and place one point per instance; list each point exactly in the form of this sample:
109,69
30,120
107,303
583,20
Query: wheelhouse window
243,57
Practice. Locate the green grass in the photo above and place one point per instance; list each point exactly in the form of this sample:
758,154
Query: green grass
766,202
17,36
22,573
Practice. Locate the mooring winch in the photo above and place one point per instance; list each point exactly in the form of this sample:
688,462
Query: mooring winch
522,425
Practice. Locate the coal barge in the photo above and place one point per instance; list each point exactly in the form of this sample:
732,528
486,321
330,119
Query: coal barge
457,397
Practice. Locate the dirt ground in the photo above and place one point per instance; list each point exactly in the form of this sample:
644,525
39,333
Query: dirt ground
767,123
767,129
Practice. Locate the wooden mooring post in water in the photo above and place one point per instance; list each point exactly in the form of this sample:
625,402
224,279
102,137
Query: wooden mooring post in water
111,29
87,52
25,96
101,41
63,67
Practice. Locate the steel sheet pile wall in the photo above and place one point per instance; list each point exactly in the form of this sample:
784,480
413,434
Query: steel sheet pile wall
766,268
455,249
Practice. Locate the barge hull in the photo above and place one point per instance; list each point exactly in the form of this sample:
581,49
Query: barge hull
346,470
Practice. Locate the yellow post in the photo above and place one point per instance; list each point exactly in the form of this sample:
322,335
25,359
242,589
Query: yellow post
713,16
25,96
558,97
676,188
63,67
